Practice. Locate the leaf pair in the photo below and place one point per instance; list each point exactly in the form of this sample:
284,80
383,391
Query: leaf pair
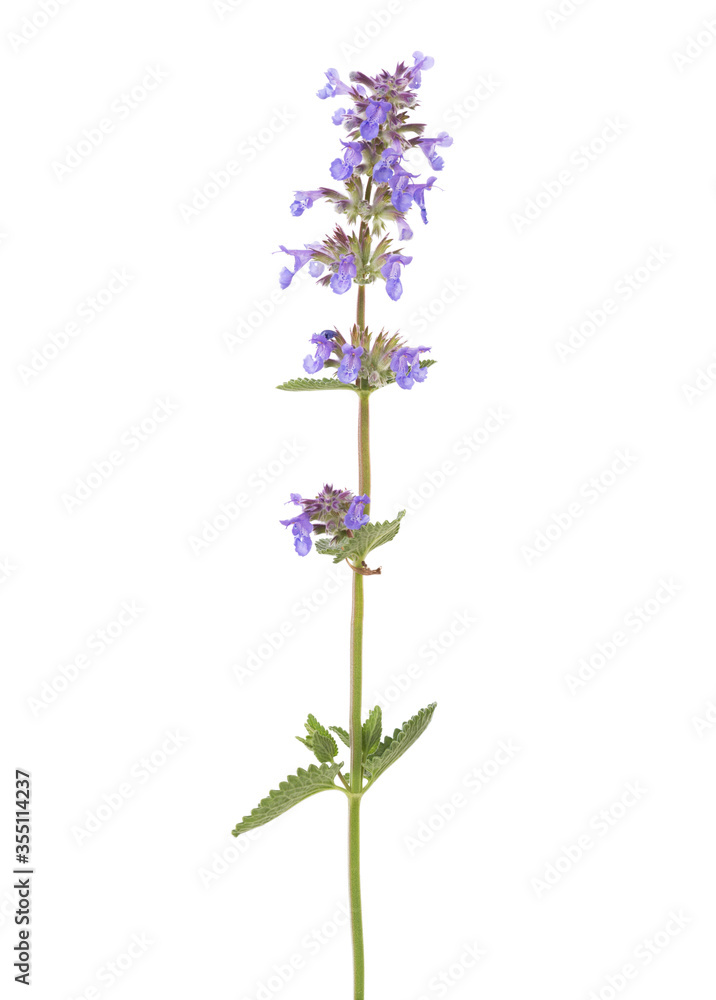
319,740
378,757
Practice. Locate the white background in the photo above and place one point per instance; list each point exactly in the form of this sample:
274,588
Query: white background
194,325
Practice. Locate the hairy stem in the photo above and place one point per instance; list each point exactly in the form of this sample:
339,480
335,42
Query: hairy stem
356,694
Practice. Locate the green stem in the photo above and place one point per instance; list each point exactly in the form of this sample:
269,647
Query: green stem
356,914
356,732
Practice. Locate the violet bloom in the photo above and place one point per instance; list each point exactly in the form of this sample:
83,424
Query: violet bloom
324,346
406,365
338,116
383,169
342,279
402,197
404,230
301,529
391,271
375,115
421,62
304,200
350,364
418,193
334,86
355,518
341,170
300,258
428,147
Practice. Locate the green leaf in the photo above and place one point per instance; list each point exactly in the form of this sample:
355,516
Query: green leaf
289,793
319,740
343,735
367,538
311,384
372,730
393,747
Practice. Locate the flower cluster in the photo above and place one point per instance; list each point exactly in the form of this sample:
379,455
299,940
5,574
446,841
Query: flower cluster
379,187
335,513
365,360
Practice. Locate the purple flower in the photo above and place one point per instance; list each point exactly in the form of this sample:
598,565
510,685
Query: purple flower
338,116
406,365
350,364
341,280
402,197
375,115
301,528
355,518
404,230
418,193
391,271
315,268
383,169
304,200
341,170
421,62
300,258
428,147
324,346
334,86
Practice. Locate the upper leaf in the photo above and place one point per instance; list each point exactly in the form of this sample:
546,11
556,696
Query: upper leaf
319,740
309,384
289,793
372,729
367,538
393,747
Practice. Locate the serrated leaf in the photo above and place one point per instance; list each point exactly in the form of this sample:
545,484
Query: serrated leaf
393,747
372,730
319,740
311,384
289,793
367,538
343,735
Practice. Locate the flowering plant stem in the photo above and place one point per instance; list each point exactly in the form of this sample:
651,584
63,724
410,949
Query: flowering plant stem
380,187
356,712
